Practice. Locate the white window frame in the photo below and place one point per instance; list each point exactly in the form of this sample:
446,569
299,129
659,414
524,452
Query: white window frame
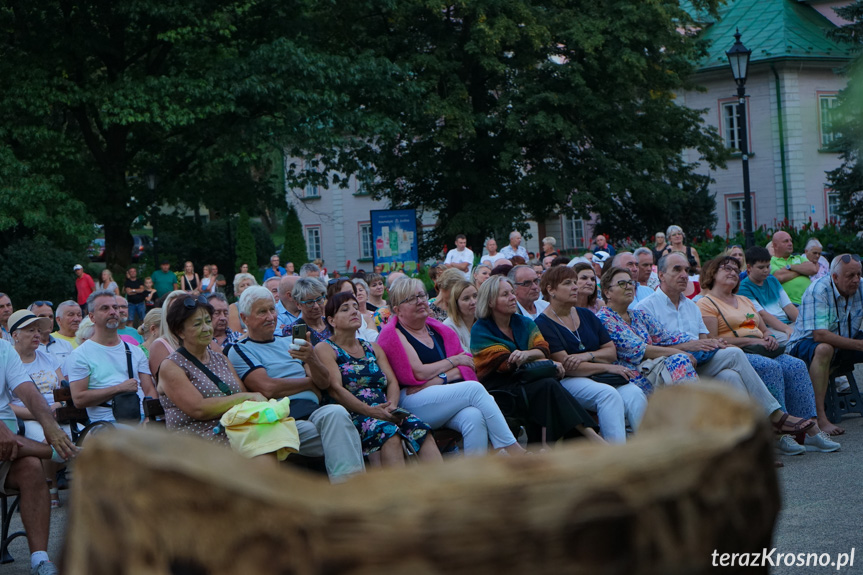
314,245
573,232
731,200
730,124
832,205
827,103
366,244
311,191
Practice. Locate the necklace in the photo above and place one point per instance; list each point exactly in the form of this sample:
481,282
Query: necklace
572,331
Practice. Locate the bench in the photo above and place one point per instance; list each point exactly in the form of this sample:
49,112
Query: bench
75,417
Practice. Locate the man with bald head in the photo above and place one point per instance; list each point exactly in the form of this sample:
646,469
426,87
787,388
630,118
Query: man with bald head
286,307
793,272
827,331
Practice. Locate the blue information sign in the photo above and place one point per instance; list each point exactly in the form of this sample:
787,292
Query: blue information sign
394,235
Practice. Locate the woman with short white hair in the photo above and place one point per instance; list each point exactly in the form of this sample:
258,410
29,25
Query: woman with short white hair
310,294
813,254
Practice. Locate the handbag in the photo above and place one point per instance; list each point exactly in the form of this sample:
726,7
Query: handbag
612,379
535,370
753,349
126,406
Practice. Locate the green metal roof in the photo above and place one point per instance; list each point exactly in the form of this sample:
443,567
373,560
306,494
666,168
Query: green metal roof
772,29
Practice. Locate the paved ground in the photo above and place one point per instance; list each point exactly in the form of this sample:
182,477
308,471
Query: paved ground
822,502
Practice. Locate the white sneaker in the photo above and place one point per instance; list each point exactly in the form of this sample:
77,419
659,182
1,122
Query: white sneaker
821,442
44,568
787,446
842,384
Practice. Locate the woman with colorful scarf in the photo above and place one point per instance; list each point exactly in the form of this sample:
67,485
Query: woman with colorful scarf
502,341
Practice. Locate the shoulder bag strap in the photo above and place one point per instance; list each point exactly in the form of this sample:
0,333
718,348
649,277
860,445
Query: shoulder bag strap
129,361
721,314
213,377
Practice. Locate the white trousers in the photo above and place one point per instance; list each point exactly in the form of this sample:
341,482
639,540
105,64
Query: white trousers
613,405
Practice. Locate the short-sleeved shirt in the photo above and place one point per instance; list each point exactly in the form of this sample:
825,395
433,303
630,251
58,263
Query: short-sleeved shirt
270,273
461,257
591,333
163,282
136,297
272,356
43,372
770,295
106,367
686,318
510,253
491,259
743,319
793,287
823,307
70,340
59,348
84,286
12,374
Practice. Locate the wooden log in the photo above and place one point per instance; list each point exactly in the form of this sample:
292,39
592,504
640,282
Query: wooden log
699,477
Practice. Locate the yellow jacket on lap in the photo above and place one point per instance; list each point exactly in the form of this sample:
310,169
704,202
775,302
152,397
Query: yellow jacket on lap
257,427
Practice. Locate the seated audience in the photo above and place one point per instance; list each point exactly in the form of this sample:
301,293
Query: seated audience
311,297
166,343
438,381
223,336
587,296
733,318
446,281
242,281
126,332
480,274
362,381
813,251
639,338
344,285
578,341
793,272
462,303
362,292
85,331
59,348
526,283
762,288
149,329
502,341
376,292
68,319
271,366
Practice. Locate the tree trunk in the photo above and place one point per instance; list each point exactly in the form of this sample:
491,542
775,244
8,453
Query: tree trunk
698,477
118,247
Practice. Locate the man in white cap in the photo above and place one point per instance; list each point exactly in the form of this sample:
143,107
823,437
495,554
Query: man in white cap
84,285
20,465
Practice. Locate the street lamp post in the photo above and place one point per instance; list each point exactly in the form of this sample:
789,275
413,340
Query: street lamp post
152,181
738,58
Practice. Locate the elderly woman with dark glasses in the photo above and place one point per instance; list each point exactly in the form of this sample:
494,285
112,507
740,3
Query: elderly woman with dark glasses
640,338
311,297
197,385
439,384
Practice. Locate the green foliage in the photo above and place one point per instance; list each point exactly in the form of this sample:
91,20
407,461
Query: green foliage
34,268
520,109
294,249
246,252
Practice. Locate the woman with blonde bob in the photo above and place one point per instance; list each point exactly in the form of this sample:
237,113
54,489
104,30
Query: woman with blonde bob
438,382
462,306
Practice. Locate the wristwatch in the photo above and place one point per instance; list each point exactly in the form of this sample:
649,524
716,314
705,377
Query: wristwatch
788,267
443,377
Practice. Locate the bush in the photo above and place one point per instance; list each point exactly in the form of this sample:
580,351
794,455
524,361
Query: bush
245,252
294,249
33,269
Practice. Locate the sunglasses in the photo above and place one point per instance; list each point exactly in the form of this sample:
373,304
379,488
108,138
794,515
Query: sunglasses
317,300
848,257
192,303
45,302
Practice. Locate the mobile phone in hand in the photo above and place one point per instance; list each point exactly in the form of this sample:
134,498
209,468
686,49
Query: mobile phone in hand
400,413
298,331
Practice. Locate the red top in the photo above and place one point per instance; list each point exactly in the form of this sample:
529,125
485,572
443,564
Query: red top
85,287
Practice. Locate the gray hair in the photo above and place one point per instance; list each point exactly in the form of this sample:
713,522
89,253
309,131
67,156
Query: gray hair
672,229
252,295
643,250
616,257
85,330
513,272
488,292
211,296
362,283
485,243
813,243
309,268
403,288
513,233
836,265
165,331
99,293
308,288
662,264
550,241
272,279
238,279
61,308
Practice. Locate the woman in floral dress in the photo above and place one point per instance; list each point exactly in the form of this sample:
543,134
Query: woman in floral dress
362,381
637,335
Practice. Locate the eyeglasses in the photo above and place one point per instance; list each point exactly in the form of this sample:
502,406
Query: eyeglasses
623,284
527,283
730,268
192,303
416,299
38,303
317,300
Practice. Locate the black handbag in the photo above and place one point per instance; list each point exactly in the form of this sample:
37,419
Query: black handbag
535,370
126,406
612,379
753,349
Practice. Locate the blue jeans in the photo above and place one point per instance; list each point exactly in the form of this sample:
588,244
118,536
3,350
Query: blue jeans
137,311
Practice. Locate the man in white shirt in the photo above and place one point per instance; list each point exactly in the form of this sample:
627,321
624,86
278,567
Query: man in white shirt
527,291
493,255
461,257
514,248
99,367
627,261
727,364
20,465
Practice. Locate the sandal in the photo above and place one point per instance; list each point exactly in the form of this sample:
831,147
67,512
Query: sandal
801,426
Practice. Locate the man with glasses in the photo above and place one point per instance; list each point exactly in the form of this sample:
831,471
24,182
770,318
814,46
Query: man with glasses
827,331
99,367
793,272
59,348
275,270
5,314
276,368
527,292
131,334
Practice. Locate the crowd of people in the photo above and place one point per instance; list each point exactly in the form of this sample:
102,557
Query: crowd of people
510,350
